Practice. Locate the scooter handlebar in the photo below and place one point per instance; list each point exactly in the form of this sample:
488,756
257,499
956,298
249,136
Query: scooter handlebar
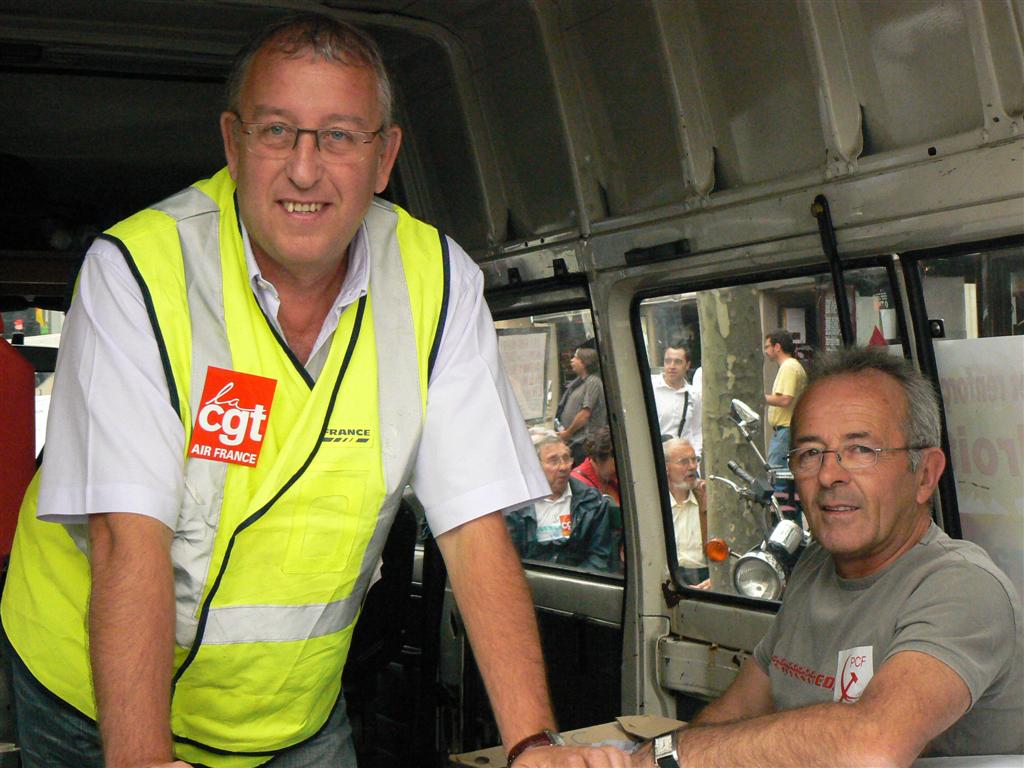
741,473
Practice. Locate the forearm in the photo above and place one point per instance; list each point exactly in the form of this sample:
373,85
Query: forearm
824,734
131,639
494,600
778,400
578,423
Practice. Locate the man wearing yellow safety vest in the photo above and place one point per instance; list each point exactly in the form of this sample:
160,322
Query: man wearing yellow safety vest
242,396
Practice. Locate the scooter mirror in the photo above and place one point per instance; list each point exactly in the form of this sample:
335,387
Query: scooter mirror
744,414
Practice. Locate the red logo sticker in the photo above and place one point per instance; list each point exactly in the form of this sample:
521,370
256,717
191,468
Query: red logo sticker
232,418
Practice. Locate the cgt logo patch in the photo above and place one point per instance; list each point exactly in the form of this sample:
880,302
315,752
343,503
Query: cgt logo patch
232,418
854,671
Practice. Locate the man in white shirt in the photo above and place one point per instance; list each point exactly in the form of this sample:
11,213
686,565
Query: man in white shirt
309,141
678,403
689,511
570,526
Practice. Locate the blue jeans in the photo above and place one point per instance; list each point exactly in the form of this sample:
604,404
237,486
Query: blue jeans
778,448
778,456
52,734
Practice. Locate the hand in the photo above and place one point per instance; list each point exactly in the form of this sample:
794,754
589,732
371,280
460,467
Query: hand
564,435
700,493
642,757
706,584
573,757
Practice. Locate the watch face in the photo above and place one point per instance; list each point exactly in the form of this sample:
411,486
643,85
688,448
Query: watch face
665,754
555,738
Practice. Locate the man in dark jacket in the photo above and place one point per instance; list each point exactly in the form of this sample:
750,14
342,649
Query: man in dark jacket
572,525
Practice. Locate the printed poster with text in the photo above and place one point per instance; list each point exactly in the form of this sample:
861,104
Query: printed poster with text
983,392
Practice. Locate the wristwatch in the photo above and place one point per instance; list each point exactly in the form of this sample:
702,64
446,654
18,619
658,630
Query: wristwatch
665,754
545,738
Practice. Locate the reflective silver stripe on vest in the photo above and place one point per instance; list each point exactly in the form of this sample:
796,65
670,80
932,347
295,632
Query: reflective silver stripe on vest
400,407
400,410
198,219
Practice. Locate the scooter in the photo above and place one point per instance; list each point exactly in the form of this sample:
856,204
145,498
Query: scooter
764,570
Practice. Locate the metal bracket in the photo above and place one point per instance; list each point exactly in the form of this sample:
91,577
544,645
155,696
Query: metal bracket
672,597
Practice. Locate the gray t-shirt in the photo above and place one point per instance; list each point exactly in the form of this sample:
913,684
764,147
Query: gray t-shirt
943,597
589,394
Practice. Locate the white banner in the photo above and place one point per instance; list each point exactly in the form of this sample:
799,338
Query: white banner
983,391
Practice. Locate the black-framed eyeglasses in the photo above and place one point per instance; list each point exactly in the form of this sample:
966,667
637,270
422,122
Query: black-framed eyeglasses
806,461
277,140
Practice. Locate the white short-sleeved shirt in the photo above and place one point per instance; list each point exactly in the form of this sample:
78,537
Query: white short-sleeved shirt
671,404
554,517
114,444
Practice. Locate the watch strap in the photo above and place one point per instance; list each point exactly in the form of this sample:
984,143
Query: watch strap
665,754
545,738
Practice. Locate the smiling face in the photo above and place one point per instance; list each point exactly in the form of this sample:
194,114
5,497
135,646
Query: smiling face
870,517
556,461
301,213
676,364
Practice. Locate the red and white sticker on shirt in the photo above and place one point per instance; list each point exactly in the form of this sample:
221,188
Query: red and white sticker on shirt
854,671
232,418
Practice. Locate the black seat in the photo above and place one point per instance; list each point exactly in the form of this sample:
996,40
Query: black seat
378,637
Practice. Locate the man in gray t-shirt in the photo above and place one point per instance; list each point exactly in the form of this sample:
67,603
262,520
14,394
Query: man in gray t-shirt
943,597
893,640
581,410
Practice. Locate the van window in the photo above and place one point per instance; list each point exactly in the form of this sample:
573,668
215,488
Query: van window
553,365
975,307
712,371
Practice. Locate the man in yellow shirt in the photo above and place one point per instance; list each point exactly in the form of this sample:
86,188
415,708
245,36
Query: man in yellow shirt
789,383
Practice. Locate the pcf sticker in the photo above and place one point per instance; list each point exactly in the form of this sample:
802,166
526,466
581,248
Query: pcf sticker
854,670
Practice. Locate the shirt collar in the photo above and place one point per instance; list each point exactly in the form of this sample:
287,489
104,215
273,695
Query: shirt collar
566,494
688,501
659,381
355,286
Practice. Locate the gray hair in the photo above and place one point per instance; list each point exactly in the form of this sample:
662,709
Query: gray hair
922,425
676,442
541,437
328,38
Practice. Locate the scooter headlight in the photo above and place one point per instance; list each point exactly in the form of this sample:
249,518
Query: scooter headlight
759,574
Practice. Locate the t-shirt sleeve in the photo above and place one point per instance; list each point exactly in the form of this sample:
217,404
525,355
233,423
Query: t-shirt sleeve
114,443
963,617
475,456
786,383
766,646
593,393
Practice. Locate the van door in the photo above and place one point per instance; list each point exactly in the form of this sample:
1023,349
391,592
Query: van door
578,600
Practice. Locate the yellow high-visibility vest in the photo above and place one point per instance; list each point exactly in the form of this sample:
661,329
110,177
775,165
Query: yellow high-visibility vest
271,561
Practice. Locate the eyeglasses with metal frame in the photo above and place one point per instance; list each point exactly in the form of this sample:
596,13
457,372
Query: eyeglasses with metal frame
277,140
683,461
854,457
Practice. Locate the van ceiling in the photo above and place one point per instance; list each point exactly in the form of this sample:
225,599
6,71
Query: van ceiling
113,105
523,119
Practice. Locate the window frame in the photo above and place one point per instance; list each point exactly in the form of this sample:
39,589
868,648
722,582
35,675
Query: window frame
674,590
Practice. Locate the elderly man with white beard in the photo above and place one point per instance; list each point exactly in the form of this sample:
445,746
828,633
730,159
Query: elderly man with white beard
689,511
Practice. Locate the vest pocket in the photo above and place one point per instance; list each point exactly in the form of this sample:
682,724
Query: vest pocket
331,527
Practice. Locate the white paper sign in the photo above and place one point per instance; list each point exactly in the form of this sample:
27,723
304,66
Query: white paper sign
982,384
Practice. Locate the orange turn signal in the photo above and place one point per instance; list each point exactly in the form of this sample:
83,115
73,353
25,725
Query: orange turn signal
716,550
